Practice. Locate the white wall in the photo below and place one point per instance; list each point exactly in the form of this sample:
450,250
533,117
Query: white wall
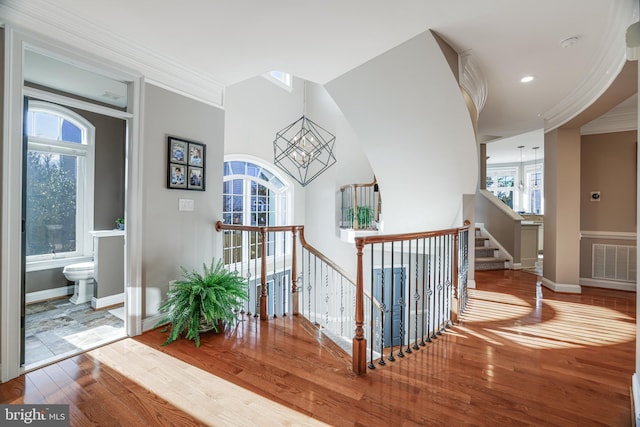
173,238
256,109
410,116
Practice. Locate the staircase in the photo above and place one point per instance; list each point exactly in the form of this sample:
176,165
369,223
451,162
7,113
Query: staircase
486,258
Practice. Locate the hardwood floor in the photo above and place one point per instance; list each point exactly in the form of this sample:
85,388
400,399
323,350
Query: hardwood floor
515,359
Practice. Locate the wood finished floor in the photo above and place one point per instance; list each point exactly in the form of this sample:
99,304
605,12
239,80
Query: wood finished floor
515,359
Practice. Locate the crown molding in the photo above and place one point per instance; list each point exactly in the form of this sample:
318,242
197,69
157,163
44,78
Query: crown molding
617,120
472,80
45,19
612,56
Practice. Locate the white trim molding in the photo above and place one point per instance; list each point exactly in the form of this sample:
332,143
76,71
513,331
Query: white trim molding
472,80
150,322
608,284
612,56
635,389
48,294
49,19
561,287
98,303
611,235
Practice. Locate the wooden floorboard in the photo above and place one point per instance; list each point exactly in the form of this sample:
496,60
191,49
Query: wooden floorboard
513,360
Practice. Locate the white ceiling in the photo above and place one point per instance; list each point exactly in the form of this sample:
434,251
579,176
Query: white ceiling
224,42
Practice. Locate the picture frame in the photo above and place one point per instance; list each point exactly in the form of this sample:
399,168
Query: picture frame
186,164
195,178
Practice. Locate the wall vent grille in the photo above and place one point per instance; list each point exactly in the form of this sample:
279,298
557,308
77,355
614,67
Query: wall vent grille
613,262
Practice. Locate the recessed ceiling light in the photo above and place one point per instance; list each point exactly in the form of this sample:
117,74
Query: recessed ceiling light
527,79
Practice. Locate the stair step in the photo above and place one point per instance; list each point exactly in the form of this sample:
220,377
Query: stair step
481,241
490,263
485,251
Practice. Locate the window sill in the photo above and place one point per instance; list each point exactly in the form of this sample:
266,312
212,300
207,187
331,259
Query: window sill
54,263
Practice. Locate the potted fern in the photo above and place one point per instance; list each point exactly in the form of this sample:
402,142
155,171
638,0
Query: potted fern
202,301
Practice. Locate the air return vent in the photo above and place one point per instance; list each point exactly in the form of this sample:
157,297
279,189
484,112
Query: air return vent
613,262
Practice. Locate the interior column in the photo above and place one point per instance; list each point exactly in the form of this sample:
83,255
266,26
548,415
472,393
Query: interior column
562,210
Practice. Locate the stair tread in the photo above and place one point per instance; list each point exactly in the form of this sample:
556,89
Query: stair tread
490,259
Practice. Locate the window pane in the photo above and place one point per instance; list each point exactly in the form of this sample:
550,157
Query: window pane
237,168
253,170
46,125
71,132
51,203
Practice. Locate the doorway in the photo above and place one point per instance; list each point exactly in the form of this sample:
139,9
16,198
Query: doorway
70,205
19,45
388,289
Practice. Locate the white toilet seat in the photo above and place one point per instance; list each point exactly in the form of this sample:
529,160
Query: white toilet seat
81,266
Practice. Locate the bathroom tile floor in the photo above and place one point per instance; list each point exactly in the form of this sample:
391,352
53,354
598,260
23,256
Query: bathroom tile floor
57,329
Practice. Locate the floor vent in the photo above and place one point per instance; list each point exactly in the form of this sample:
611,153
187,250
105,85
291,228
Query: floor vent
614,262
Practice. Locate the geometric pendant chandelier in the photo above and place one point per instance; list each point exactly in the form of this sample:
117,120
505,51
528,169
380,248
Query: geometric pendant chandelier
304,150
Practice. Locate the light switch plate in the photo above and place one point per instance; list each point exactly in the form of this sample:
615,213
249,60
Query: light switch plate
185,205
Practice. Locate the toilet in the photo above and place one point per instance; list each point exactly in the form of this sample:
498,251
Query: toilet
82,274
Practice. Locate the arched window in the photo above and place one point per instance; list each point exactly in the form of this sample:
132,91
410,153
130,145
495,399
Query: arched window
252,195
59,186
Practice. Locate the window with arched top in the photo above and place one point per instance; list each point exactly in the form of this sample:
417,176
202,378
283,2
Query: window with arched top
253,195
59,182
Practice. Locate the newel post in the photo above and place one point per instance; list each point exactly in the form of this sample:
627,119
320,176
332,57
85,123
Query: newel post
359,349
455,303
263,276
294,275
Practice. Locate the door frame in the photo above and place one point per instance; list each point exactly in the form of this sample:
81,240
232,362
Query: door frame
11,262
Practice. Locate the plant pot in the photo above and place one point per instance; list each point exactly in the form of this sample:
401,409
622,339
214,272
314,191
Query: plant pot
206,326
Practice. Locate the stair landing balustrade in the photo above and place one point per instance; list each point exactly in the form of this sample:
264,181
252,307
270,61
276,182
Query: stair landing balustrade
413,288
360,206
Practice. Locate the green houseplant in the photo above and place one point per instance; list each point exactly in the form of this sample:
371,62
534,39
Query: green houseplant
365,216
202,301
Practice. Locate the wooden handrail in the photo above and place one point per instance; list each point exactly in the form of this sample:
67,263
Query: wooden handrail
322,257
359,344
386,238
344,187
268,229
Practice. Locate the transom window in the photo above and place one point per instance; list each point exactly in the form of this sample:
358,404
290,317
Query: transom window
59,171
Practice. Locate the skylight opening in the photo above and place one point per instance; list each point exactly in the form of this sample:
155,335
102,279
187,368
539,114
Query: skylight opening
282,79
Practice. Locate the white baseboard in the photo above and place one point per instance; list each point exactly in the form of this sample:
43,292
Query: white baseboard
608,284
635,390
150,322
561,287
47,294
98,303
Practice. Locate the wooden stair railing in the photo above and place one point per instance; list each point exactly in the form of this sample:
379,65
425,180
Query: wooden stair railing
432,277
262,245
425,293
